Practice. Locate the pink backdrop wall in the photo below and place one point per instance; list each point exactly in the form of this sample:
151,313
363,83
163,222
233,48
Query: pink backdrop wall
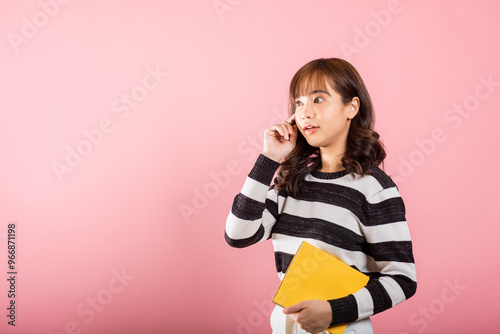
127,128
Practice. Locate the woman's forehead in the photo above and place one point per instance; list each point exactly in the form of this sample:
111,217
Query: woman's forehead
311,83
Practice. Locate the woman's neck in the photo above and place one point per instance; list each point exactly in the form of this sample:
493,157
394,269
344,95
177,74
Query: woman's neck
331,161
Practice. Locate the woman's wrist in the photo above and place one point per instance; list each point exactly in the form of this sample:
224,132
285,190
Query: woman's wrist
271,156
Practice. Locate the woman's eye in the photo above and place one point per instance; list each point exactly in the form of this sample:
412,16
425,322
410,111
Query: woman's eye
298,103
318,100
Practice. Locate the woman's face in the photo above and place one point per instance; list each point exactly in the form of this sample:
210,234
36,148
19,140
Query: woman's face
322,117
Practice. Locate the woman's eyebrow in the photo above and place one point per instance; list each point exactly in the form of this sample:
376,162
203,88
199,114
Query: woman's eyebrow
319,91
315,92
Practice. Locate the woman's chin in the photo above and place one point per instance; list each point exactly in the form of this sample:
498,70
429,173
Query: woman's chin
313,143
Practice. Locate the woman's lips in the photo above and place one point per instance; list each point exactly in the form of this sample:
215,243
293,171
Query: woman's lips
311,130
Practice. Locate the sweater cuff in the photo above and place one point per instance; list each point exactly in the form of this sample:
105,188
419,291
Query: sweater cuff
344,310
264,169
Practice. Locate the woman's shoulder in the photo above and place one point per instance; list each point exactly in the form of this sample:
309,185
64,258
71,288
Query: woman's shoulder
382,178
370,184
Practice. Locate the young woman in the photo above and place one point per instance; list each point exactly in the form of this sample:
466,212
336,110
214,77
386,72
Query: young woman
331,192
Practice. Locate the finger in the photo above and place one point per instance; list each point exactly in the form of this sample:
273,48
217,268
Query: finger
287,125
291,119
284,126
291,129
278,129
294,308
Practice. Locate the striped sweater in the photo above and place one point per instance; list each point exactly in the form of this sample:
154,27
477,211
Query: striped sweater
359,220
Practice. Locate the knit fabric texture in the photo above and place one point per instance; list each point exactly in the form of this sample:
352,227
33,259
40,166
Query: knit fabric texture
358,219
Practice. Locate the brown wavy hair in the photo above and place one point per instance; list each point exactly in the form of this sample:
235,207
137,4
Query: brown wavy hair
364,150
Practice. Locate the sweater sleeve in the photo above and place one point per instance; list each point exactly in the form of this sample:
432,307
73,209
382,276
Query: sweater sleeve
255,209
391,262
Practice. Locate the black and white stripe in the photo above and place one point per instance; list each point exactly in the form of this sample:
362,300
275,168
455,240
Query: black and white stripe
360,220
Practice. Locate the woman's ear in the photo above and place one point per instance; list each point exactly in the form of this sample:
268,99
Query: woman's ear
353,108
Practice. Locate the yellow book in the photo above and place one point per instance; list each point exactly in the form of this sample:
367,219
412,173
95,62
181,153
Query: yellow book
315,274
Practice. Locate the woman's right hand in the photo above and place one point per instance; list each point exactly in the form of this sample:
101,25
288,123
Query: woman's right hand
280,139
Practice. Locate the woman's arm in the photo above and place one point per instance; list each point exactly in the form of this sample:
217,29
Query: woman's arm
255,208
394,276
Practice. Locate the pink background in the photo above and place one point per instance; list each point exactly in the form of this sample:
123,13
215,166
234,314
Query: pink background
192,136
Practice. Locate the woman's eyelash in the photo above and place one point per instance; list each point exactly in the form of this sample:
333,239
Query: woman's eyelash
299,103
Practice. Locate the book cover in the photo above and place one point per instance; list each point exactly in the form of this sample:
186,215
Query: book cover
315,274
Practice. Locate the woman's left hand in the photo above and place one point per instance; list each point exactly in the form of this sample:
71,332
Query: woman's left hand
313,316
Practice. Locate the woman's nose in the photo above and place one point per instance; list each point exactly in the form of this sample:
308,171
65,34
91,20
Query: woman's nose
306,112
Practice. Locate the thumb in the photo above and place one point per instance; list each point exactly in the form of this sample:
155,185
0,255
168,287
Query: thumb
294,308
